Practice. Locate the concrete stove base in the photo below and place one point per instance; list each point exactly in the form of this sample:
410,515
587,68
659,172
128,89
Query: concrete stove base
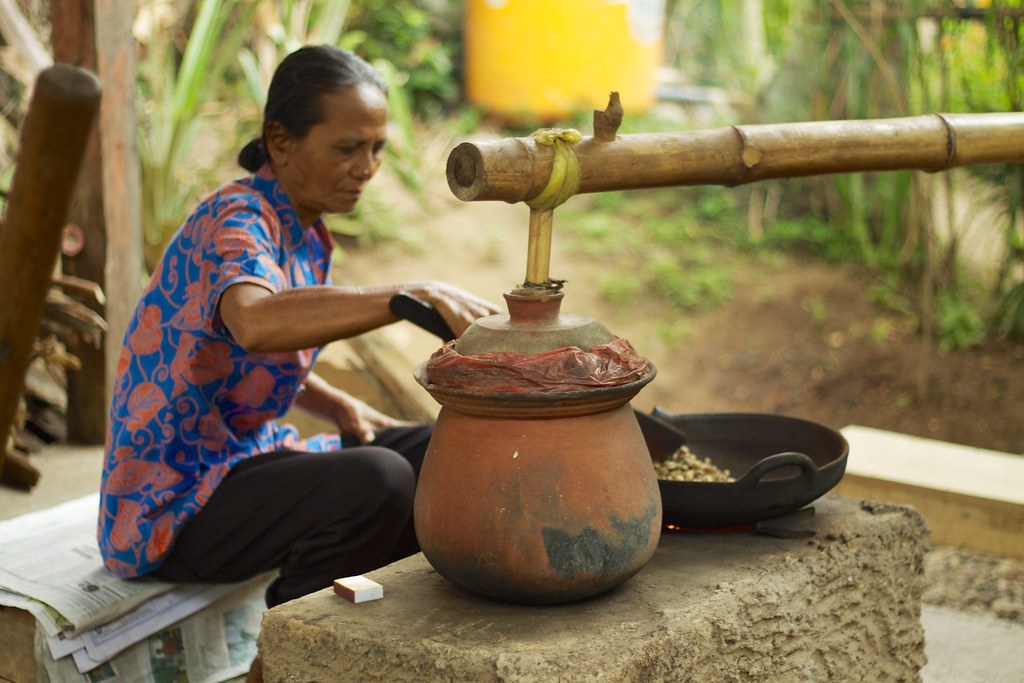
844,604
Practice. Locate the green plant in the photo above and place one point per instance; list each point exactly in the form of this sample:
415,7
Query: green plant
667,244
619,290
374,220
673,331
818,308
282,27
5,180
402,150
882,330
959,321
886,294
714,203
872,60
810,234
687,283
595,233
612,202
173,86
1009,317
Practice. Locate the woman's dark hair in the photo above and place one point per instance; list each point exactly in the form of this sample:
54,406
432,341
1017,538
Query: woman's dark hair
297,89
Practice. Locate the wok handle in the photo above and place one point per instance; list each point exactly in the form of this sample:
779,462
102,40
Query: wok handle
421,314
753,477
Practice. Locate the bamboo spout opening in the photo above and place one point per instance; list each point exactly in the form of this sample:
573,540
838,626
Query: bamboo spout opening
465,172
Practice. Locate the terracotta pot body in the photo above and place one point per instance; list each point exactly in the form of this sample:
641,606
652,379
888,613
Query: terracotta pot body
534,499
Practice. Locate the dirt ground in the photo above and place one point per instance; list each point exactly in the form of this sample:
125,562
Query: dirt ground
800,337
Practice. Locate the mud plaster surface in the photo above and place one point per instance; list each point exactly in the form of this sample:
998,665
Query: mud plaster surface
728,607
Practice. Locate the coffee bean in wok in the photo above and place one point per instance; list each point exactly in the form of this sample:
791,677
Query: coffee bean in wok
684,465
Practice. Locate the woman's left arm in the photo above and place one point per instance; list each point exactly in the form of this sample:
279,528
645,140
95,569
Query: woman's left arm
353,417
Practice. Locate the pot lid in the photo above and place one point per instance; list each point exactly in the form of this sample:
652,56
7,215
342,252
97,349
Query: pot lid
534,324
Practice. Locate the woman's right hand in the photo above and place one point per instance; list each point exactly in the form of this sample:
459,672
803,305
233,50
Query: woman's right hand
458,307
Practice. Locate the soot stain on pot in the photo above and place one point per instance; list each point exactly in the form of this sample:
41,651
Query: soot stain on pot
591,552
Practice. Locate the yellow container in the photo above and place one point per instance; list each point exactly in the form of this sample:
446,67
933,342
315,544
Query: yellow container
549,58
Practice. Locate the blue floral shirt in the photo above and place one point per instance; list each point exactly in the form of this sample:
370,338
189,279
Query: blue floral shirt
189,402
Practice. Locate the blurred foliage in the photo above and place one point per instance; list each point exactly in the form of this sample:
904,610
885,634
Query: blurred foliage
205,67
854,59
421,38
797,60
922,57
281,27
176,78
374,218
672,244
959,319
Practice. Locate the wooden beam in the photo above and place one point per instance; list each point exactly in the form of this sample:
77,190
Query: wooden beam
53,140
972,498
979,524
97,35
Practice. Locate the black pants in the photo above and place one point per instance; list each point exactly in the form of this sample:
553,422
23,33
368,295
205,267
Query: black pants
314,516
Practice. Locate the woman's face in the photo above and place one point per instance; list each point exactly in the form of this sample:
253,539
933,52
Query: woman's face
326,171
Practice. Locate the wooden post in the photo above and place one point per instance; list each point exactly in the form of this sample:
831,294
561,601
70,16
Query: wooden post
96,35
53,141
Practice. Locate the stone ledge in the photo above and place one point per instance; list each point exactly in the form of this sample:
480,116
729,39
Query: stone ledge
710,606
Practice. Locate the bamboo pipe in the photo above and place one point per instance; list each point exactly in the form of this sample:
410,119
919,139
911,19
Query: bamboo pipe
538,257
517,169
53,141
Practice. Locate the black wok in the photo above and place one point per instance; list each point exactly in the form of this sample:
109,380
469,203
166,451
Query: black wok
780,464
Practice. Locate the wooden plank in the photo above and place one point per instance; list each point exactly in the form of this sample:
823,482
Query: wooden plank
17,633
18,471
339,365
97,36
122,183
939,465
972,498
389,388
986,526
74,42
395,375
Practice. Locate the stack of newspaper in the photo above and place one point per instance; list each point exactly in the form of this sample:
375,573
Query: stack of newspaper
93,626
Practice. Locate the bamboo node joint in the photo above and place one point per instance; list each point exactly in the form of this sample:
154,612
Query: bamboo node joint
751,155
950,139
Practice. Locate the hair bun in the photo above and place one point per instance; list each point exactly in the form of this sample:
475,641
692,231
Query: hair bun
253,155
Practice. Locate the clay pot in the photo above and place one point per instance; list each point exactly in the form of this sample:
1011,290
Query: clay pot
537,498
